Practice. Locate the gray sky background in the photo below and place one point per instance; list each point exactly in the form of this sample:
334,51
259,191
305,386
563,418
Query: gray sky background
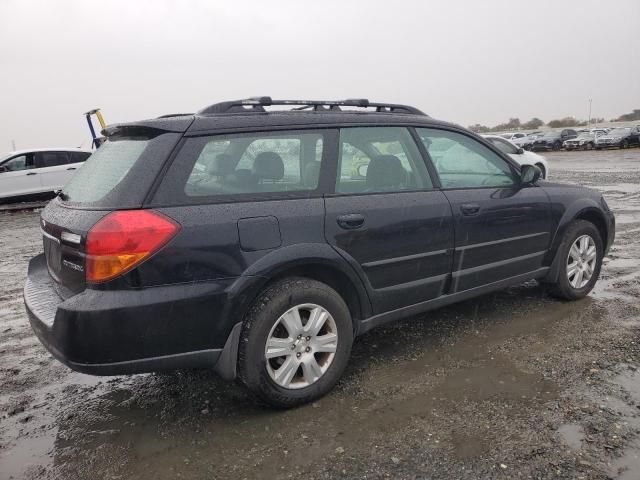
462,61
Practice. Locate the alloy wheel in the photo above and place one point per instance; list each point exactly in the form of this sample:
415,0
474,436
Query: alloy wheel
301,346
581,261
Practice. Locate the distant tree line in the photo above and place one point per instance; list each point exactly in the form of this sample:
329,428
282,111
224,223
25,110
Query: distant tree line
534,123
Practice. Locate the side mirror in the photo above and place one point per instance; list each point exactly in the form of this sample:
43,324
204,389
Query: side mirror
520,151
3,169
529,174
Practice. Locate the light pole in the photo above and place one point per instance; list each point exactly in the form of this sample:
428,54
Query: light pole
589,121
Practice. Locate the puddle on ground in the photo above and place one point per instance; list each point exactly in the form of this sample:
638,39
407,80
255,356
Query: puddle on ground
627,467
629,380
572,435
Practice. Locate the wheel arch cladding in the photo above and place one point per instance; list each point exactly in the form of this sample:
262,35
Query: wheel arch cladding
587,210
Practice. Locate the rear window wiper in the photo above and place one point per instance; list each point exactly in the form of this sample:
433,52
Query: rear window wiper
63,196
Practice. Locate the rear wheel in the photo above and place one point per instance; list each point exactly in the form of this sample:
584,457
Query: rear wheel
624,144
295,342
557,146
580,255
588,146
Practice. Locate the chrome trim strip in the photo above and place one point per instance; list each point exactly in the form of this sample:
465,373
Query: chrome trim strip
49,236
70,238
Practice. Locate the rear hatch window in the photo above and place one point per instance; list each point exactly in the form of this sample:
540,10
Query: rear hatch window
104,170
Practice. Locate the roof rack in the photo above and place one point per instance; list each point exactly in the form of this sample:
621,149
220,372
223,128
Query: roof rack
257,104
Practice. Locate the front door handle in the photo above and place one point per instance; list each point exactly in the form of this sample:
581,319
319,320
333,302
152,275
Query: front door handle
32,173
350,221
470,208
71,168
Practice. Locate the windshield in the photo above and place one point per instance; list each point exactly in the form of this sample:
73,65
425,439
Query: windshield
104,169
551,134
585,135
620,131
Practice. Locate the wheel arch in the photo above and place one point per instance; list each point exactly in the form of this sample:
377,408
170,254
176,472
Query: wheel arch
586,210
315,261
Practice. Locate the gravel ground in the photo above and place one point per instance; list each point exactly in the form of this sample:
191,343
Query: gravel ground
511,385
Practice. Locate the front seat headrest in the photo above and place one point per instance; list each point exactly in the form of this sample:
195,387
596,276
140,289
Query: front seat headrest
385,172
221,166
268,166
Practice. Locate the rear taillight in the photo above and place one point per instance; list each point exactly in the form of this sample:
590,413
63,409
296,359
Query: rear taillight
121,240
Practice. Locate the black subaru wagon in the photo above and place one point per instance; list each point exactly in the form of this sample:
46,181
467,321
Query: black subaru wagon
259,237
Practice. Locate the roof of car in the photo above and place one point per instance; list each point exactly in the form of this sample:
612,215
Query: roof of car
306,114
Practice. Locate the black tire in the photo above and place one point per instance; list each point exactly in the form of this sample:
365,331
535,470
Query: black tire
624,144
275,300
588,146
556,146
562,288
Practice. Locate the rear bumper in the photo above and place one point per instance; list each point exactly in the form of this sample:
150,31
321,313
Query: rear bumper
113,332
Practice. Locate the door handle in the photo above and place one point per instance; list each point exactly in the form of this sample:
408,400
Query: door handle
32,173
350,221
71,168
470,208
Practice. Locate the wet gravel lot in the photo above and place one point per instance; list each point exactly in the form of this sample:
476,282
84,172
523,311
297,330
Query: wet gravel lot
511,385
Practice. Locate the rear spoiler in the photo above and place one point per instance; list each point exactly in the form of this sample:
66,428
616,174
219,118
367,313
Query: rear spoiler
153,127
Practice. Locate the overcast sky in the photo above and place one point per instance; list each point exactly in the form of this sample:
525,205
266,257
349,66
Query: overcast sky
462,61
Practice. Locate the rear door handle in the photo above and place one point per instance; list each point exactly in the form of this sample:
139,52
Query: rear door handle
71,168
32,173
470,208
350,221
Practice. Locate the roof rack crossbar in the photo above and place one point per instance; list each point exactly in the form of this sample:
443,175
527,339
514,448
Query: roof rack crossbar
257,104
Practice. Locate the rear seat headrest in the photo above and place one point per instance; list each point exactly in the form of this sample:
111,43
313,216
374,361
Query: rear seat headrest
221,166
268,166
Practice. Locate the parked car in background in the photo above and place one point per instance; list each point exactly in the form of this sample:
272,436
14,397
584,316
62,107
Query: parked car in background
519,154
554,139
584,141
621,137
267,261
513,136
30,172
526,142
599,131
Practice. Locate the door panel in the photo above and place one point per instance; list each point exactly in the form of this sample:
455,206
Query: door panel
502,229
508,236
54,170
402,248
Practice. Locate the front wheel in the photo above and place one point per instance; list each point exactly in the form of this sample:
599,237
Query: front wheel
580,255
588,146
557,146
624,144
295,342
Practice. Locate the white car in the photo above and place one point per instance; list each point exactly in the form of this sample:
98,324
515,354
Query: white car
513,136
520,155
29,172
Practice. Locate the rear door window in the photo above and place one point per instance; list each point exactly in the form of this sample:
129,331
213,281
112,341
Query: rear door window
380,159
79,157
255,163
51,159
